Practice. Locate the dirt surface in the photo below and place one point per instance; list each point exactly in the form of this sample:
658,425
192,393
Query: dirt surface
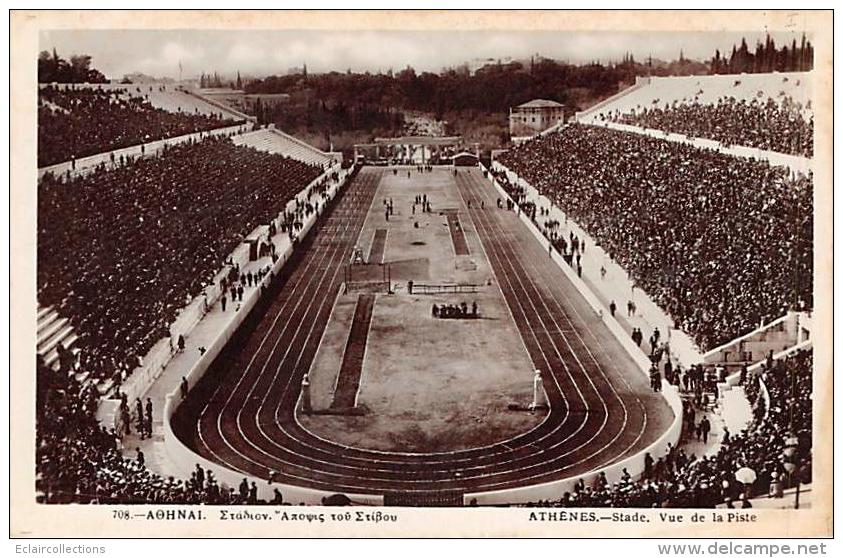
427,384
457,235
348,381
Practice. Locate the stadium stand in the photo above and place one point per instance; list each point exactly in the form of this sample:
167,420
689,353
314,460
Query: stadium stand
275,141
776,447
721,243
765,111
121,251
82,121
182,101
55,335
650,92
769,126
79,461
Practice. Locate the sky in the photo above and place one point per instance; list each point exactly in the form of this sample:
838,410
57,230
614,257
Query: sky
260,53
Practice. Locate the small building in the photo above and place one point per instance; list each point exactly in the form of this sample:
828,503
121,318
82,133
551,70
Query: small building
534,116
465,159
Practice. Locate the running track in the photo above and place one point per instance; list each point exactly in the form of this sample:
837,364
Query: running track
242,413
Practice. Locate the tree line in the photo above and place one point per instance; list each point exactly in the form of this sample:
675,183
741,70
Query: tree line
496,87
493,88
766,58
214,80
54,69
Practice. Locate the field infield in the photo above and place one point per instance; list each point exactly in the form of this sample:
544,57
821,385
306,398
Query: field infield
427,384
430,396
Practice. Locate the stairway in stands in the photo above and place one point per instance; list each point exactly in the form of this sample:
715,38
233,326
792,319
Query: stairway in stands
274,141
735,409
52,330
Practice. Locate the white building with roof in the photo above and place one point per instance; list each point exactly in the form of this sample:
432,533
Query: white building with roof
534,116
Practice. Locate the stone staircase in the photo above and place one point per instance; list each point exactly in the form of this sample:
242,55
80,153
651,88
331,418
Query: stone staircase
734,408
776,336
53,330
274,141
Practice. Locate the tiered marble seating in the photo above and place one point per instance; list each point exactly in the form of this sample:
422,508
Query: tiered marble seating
707,90
274,141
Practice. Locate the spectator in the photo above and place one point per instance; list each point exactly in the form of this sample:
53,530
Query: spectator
684,481
122,251
75,123
783,127
721,243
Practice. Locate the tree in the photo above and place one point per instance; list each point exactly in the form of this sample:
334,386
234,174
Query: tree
259,111
716,63
79,67
239,83
46,67
53,68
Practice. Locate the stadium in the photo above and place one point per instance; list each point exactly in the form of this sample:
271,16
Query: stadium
611,307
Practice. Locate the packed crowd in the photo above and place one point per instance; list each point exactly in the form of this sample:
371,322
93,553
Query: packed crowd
76,123
771,126
721,243
776,447
121,251
456,311
80,461
421,124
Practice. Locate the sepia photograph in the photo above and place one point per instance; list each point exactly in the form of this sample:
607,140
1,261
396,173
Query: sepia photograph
421,273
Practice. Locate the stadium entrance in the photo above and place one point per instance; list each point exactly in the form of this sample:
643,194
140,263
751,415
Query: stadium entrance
411,150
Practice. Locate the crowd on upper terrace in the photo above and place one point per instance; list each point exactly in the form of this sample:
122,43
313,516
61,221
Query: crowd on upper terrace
83,121
719,242
421,124
679,480
121,251
772,126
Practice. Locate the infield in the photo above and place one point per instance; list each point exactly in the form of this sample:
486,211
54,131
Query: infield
427,384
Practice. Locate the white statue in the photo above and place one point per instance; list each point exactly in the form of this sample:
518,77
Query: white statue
539,396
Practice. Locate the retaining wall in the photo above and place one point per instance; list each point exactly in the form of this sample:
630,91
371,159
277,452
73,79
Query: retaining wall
777,335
